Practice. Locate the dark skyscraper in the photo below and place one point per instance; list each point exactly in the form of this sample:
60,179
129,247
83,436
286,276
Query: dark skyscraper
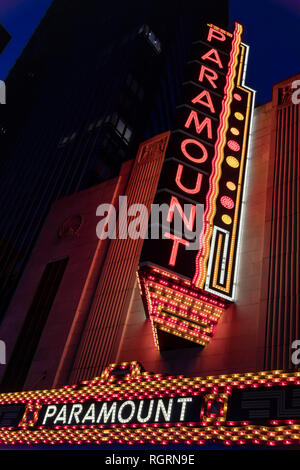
95,79
5,37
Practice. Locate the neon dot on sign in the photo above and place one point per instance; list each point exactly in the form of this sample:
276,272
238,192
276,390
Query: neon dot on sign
239,116
237,97
230,185
232,161
227,202
226,219
234,131
233,145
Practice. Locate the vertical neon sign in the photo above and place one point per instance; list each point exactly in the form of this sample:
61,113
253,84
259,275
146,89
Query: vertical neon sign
204,164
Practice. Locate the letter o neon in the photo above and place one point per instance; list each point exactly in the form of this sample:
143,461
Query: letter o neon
126,403
188,156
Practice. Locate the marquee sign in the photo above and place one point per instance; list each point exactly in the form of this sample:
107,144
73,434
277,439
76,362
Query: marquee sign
205,165
128,406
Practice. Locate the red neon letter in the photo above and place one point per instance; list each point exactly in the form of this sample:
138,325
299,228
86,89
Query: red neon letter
199,127
211,76
212,33
215,59
208,103
183,188
204,156
188,222
174,251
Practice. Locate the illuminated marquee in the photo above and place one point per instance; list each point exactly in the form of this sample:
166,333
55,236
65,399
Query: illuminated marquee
204,165
127,406
178,308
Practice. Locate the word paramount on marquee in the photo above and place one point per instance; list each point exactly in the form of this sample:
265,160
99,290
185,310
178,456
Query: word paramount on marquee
128,406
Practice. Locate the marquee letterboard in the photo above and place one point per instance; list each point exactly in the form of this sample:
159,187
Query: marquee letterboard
141,408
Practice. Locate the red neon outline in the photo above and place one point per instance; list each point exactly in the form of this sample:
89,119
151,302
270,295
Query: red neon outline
217,59
185,142
210,35
188,222
208,104
237,97
233,145
227,202
175,246
211,78
183,188
199,127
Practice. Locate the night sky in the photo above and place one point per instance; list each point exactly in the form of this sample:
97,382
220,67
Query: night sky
271,30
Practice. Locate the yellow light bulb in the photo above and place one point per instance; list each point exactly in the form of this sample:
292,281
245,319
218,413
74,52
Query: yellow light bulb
239,116
226,219
230,185
232,161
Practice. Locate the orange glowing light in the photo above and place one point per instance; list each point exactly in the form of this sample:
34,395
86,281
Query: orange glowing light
239,116
226,219
232,161
234,131
230,185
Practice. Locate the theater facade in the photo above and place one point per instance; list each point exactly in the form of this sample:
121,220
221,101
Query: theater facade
125,341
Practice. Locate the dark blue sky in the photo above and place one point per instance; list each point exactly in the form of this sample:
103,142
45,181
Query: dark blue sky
271,29
20,18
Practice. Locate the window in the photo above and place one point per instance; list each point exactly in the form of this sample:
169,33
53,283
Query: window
95,124
123,130
135,87
121,127
152,39
127,135
65,140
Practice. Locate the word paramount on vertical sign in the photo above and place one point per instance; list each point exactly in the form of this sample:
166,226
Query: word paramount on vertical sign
204,165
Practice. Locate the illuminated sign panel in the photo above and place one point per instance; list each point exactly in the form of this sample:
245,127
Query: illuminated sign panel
160,410
191,149
141,408
204,165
